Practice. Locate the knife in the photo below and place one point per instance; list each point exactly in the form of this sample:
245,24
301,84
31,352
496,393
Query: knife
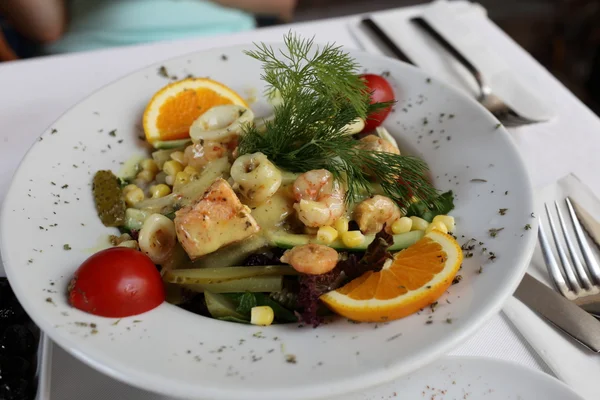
561,312
386,40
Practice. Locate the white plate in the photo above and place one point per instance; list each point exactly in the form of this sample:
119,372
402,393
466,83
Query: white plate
171,351
471,378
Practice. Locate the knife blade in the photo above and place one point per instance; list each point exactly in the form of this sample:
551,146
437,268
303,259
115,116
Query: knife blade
561,312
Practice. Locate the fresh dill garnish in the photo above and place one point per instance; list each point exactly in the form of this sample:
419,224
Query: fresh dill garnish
322,94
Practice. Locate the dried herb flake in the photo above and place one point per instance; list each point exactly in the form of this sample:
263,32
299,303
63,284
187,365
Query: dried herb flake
494,231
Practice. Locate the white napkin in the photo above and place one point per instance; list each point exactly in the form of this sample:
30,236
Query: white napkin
458,22
570,362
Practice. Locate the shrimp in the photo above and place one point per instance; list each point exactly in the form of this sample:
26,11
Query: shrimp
373,213
320,198
199,154
375,143
311,259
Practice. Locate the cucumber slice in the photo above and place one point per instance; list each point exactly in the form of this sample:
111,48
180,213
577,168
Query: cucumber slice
232,254
220,306
171,144
134,218
287,240
204,276
256,284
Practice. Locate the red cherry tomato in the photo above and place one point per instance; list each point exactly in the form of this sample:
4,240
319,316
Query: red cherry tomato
381,91
117,283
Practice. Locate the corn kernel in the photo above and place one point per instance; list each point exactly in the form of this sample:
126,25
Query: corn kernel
191,171
438,226
446,220
418,224
327,234
178,156
353,238
149,165
402,225
146,176
341,224
170,180
172,167
134,196
182,178
158,191
128,188
262,315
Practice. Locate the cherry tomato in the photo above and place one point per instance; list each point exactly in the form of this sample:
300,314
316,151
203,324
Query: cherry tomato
381,91
116,282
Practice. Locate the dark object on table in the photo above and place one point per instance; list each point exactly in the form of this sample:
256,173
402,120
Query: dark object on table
15,389
18,344
17,340
10,309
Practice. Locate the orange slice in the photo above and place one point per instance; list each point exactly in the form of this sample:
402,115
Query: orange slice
416,277
175,107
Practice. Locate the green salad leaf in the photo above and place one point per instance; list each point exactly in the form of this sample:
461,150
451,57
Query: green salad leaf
443,205
282,314
244,302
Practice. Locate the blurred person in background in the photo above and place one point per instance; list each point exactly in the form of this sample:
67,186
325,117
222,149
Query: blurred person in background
64,26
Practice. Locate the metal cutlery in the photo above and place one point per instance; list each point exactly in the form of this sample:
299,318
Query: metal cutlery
385,39
577,278
493,103
559,311
588,222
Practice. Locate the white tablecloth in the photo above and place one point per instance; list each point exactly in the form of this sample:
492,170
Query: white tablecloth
34,93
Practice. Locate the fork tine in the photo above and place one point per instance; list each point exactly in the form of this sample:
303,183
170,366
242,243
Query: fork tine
579,269
508,121
511,119
588,256
567,266
551,265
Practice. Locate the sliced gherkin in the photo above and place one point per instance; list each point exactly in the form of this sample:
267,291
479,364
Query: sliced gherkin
110,205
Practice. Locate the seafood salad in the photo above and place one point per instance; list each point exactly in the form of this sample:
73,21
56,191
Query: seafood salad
313,211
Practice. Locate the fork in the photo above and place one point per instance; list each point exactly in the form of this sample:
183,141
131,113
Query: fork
574,279
493,103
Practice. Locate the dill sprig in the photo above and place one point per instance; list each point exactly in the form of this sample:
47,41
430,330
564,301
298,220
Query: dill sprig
322,94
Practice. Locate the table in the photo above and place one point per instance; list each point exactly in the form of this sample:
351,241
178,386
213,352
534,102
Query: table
34,93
